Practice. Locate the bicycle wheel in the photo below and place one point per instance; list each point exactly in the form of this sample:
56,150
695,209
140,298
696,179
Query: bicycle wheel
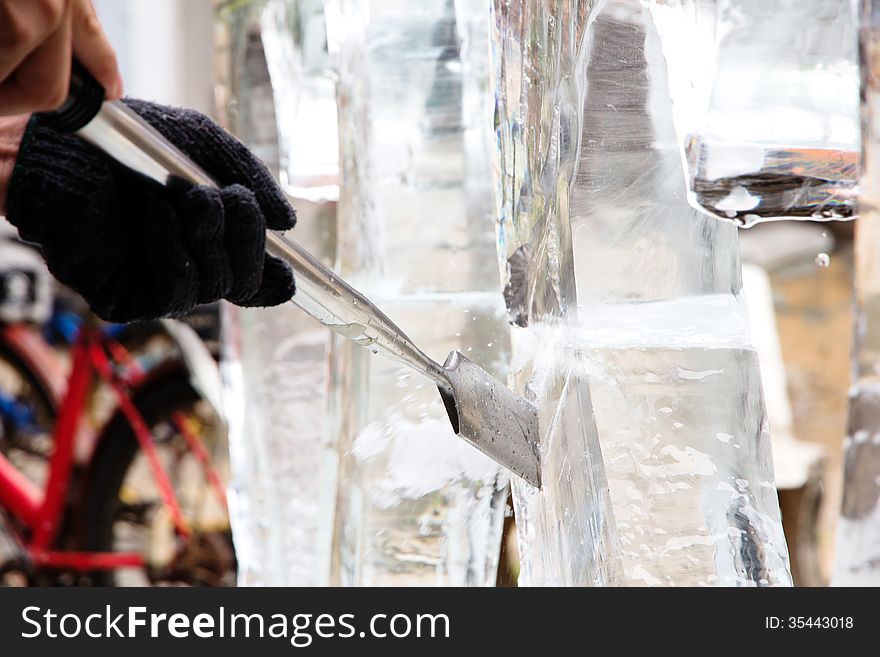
123,509
28,417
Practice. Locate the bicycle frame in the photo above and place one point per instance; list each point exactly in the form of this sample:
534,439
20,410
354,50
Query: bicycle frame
42,512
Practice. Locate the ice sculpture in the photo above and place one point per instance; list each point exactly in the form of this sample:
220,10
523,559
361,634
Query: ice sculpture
566,533
857,559
417,506
295,42
284,462
765,104
626,299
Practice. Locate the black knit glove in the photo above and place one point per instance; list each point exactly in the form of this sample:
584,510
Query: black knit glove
135,249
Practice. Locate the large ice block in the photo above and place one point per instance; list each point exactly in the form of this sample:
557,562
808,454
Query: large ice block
284,462
598,233
416,235
857,559
417,505
566,531
295,42
766,105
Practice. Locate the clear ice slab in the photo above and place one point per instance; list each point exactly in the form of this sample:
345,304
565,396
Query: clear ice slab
416,505
295,40
565,530
605,258
766,105
283,492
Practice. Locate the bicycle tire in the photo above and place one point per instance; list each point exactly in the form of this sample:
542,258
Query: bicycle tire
112,460
48,404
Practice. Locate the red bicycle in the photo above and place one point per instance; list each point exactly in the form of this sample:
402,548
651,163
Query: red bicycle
138,500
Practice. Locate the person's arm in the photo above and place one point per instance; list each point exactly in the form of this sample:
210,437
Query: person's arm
38,38
11,131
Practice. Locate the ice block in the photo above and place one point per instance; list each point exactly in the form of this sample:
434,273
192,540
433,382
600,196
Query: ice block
416,235
284,460
765,102
640,293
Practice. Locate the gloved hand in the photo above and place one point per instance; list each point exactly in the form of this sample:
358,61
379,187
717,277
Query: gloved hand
135,249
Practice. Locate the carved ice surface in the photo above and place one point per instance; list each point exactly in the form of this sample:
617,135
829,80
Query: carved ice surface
766,105
295,42
565,531
284,463
292,463
857,559
598,233
417,505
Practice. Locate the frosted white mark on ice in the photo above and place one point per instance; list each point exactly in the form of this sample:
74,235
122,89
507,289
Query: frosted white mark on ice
417,467
697,375
724,437
640,574
684,542
739,200
655,322
733,160
687,461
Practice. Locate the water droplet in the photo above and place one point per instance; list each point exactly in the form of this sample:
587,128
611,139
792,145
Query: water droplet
823,260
